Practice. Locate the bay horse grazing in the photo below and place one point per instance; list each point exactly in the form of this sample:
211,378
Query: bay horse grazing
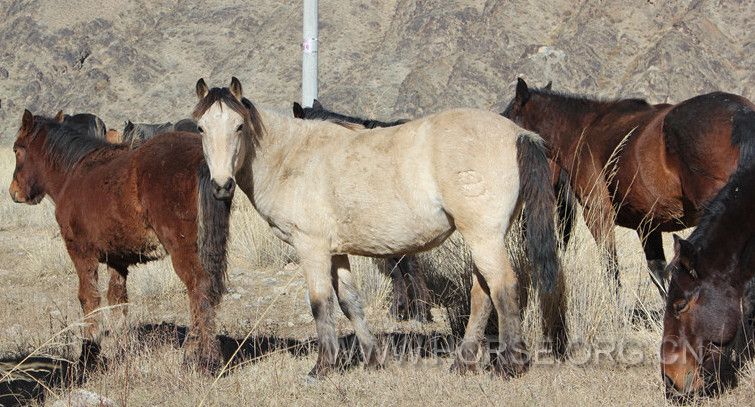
330,190
122,207
135,133
708,308
651,168
411,297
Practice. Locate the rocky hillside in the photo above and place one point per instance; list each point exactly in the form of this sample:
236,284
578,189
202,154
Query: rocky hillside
139,59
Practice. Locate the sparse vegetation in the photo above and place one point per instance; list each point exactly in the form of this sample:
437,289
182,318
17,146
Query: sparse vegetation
615,355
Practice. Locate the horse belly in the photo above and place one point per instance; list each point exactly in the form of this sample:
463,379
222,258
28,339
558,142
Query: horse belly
392,238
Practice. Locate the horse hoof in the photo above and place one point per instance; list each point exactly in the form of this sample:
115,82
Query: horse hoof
509,370
461,367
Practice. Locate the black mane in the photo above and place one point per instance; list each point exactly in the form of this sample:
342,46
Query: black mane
575,103
317,112
66,144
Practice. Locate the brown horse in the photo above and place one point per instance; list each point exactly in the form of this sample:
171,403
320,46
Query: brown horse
708,310
122,207
648,167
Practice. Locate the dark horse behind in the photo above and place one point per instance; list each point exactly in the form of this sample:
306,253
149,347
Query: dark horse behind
119,206
710,313
651,168
136,133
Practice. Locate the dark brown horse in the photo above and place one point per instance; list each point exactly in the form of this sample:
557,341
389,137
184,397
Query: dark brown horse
709,312
648,167
122,207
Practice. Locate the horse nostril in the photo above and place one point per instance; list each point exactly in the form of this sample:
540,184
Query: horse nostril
230,185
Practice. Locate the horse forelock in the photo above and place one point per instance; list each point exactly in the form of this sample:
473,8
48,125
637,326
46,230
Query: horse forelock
245,108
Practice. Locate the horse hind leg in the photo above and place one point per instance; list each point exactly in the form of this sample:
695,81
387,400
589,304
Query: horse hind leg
490,258
351,304
468,358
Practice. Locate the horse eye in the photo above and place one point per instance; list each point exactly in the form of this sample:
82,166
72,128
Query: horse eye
200,129
241,127
681,306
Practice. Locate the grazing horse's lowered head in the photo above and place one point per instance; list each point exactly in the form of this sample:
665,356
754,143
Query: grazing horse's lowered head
226,146
703,323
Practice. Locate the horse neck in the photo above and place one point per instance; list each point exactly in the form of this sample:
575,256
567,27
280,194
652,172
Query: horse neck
263,154
53,176
727,228
562,120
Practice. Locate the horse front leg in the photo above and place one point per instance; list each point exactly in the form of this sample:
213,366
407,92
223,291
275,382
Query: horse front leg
201,346
652,244
316,264
600,218
89,297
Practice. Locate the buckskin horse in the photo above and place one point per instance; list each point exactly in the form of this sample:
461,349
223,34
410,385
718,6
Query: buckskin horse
411,297
651,168
330,190
709,312
122,207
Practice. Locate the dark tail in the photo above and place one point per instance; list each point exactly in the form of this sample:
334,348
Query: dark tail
536,191
212,234
566,205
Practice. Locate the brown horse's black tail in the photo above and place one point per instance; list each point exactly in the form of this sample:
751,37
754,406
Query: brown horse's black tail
212,234
536,191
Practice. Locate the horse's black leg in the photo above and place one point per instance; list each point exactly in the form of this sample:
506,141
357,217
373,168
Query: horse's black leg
652,244
418,293
566,204
399,307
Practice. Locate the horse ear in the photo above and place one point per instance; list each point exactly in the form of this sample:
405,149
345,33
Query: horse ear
298,111
235,88
202,89
687,255
548,85
522,91
317,105
27,120
60,117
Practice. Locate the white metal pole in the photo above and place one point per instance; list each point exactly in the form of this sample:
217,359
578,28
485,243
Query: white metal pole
309,54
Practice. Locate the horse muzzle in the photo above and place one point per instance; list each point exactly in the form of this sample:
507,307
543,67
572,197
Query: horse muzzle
224,192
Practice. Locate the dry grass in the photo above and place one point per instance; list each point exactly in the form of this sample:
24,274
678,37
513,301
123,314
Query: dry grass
267,297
